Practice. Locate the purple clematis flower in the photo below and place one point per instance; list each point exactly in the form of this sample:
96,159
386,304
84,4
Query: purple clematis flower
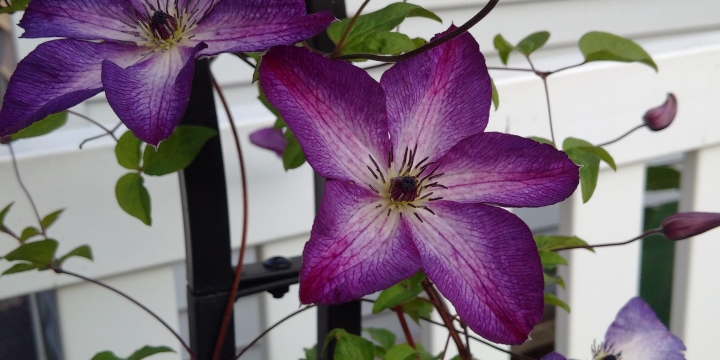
636,334
413,180
141,52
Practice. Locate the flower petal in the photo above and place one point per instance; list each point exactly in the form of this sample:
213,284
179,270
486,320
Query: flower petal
355,249
438,98
255,25
57,75
79,19
269,138
637,333
336,111
150,97
485,261
506,170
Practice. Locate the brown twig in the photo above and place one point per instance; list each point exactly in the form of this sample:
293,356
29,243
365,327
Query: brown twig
406,330
442,309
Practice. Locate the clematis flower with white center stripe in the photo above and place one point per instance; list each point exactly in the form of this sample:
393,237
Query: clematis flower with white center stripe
414,183
141,52
636,334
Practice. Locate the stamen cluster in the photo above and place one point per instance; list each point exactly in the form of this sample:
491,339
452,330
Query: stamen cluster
605,351
163,25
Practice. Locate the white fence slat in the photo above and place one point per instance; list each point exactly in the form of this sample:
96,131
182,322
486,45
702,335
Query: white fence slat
696,286
600,283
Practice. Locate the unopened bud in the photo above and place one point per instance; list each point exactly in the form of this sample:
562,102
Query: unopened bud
684,225
662,116
271,139
4,140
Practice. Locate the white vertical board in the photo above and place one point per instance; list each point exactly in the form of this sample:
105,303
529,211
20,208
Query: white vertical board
696,284
599,284
93,319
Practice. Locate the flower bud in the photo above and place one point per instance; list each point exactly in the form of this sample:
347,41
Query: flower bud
270,139
662,116
4,140
684,225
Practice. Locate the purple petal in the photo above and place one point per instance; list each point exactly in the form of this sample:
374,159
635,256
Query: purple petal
336,111
553,356
78,19
637,333
355,249
150,97
684,225
58,75
271,139
255,25
506,170
484,260
438,98
662,116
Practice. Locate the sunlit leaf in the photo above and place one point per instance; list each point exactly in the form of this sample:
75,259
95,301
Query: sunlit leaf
384,337
50,219
495,95
532,42
178,151
400,352
554,243
588,172
80,251
29,232
38,252
14,6
42,127
503,47
133,197
551,299
597,46
399,293
127,151
551,260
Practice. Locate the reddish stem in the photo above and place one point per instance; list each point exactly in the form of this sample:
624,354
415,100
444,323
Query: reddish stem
442,309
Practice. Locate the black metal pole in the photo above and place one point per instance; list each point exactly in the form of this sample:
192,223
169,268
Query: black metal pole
207,227
348,315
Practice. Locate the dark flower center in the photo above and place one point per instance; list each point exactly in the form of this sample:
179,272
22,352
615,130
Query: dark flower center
163,25
404,188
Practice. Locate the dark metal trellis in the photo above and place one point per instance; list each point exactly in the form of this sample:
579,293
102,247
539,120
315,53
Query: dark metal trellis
207,230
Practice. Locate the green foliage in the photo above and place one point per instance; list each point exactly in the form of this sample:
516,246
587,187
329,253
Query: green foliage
133,197
553,243
80,251
4,212
495,95
50,219
143,353
20,267
38,253
177,152
550,280
526,46
372,33
551,299
551,260
310,354
349,346
597,46
293,157
15,5
400,352
661,178
588,156
42,127
128,152
385,338
399,293
417,308
28,233
542,140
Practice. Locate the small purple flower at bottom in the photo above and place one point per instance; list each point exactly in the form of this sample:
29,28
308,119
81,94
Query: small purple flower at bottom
636,334
415,183
140,52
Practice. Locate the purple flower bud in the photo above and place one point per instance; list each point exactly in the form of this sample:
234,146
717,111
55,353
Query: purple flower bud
684,225
662,116
4,140
271,139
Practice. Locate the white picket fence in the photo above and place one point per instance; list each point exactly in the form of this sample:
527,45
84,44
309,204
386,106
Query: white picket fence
597,102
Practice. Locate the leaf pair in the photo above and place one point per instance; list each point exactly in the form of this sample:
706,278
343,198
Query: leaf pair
588,156
526,46
40,255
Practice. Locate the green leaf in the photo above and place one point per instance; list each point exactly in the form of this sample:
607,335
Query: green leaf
17,5
20,267
400,352
293,157
399,293
80,251
601,153
349,346
29,232
549,280
572,143
597,46
542,140
417,308
503,47
258,61
127,151
551,260
553,243
133,197
495,95
588,172
551,299
50,219
143,353
419,42
178,151
42,127
310,354
4,212
372,32
38,252
658,178
384,337
532,42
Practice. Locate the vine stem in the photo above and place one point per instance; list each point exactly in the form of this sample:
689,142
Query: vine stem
112,132
442,309
243,242
25,190
590,247
131,299
107,131
431,45
271,328
622,136
406,330
348,29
